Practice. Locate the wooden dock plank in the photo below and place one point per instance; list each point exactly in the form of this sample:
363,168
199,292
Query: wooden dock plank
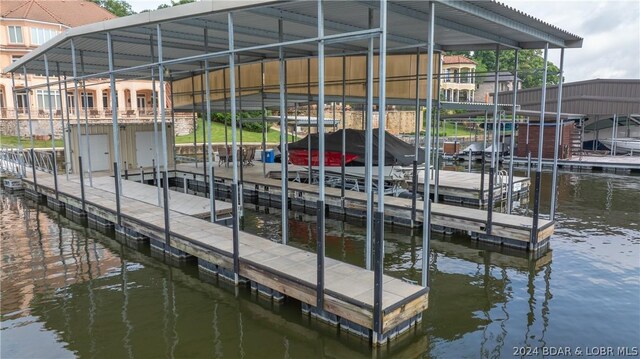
180,202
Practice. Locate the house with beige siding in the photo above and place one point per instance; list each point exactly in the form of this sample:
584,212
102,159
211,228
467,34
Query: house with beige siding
27,24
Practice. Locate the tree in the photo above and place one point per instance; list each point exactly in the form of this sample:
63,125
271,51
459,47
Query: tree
530,66
175,3
117,7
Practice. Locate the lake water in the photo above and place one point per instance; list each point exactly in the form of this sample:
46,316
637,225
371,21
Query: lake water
68,291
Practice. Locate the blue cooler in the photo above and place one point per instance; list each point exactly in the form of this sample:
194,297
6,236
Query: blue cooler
268,156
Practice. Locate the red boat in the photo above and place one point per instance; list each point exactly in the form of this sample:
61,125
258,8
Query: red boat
397,152
331,159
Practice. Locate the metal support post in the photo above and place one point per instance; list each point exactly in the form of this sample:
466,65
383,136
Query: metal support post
85,96
207,89
310,174
21,165
283,139
264,120
53,140
193,117
76,100
116,129
320,210
379,217
82,197
368,161
554,176
436,156
426,222
163,118
416,141
494,143
343,113
33,157
63,96
154,104
513,135
536,202
483,159
234,151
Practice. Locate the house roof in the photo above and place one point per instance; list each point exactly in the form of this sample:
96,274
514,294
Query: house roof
502,77
457,59
70,13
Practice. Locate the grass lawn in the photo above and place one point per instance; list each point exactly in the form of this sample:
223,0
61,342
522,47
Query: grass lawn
12,141
217,135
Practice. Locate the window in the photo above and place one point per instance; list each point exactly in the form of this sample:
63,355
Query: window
105,99
15,58
15,35
42,97
39,36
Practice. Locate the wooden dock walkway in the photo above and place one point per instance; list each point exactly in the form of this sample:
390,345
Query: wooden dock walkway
190,205
453,186
275,269
506,229
465,187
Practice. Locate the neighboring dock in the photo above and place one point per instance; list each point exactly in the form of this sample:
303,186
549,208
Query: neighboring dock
274,269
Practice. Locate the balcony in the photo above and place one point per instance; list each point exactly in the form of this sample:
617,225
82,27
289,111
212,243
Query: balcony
98,113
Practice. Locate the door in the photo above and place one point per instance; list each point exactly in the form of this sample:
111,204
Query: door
22,102
142,101
145,151
100,158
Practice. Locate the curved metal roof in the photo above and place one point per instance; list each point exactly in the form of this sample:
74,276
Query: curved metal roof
468,25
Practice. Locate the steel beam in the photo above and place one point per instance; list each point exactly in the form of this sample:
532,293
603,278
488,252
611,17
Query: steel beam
379,217
22,169
368,134
116,130
234,151
321,174
426,211
554,177
53,141
283,139
536,202
513,135
494,144
33,155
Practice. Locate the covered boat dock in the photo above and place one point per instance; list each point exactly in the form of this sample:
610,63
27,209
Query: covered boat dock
256,54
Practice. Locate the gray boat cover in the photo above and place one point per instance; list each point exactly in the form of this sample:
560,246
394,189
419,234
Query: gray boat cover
397,152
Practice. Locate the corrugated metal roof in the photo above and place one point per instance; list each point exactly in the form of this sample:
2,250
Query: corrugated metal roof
591,97
466,25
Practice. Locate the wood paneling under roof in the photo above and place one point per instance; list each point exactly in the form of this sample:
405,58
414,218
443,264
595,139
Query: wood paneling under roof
401,82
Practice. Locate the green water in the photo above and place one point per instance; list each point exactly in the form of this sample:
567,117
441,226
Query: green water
68,291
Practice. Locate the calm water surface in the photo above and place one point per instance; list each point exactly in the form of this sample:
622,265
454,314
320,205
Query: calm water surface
68,291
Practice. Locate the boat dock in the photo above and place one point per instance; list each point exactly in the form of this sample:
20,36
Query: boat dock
505,229
273,269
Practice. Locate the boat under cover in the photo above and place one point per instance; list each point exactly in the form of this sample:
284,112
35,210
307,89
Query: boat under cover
397,152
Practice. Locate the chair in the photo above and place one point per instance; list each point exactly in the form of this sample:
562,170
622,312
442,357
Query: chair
94,113
249,154
224,153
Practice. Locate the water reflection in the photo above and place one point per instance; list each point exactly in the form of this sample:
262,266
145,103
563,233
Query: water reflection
77,292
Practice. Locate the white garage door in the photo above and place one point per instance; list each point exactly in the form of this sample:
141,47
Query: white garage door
145,151
100,158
